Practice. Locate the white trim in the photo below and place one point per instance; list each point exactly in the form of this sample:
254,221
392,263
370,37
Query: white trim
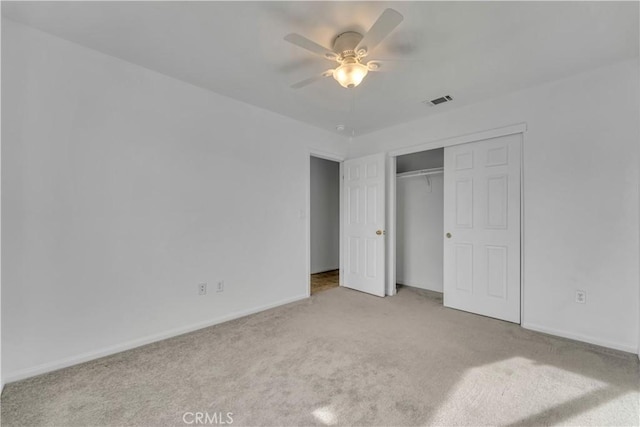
462,139
2,381
391,227
107,351
522,219
327,155
340,205
307,224
578,337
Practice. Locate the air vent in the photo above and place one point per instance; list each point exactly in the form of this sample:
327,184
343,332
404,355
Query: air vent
440,100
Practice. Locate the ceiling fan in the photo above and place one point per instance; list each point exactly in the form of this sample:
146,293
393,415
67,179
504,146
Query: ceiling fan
349,50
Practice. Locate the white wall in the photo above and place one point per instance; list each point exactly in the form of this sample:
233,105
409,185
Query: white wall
122,189
325,215
580,196
419,219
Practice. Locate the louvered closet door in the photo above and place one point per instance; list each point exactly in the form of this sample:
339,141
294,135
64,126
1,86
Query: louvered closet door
482,227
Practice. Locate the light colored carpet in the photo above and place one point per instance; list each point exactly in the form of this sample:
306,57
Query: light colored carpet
347,358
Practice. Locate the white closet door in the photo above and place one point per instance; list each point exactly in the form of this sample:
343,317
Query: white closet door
363,224
482,227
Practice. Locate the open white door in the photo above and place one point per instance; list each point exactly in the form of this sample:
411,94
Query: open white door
363,224
482,227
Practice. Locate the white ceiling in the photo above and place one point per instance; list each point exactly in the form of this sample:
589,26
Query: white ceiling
469,50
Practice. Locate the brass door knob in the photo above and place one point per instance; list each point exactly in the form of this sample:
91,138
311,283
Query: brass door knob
448,235
379,232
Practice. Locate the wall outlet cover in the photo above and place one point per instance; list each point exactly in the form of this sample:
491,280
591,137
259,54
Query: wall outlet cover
202,288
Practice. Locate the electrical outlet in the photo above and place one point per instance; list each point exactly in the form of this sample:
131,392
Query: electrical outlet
202,288
220,286
581,297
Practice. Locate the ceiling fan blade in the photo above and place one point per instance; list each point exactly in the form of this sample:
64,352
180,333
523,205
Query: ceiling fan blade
311,46
313,79
385,24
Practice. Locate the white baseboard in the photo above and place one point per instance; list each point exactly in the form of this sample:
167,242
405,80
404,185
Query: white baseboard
323,270
578,337
419,286
107,351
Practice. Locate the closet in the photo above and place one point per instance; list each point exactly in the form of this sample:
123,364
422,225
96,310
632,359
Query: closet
458,224
419,219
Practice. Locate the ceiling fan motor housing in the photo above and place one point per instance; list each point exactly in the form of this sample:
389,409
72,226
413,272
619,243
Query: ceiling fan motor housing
345,44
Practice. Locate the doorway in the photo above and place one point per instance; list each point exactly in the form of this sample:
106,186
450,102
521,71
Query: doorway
419,221
324,227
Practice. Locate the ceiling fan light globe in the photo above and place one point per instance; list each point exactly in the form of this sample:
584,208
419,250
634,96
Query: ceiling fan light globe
350,75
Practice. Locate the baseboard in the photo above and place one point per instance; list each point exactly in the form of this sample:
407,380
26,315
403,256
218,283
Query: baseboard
324,270
578,337
107,351
424,288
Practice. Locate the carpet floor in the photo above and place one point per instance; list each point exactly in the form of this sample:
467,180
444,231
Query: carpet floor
342,358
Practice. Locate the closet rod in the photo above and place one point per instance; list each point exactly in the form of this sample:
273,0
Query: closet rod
420,172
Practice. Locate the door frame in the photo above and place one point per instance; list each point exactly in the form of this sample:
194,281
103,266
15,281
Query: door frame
520,128
338,158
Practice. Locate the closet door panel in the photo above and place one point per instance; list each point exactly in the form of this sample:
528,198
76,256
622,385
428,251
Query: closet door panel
482,227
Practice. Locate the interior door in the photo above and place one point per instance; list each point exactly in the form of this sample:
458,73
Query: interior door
363,224
482,227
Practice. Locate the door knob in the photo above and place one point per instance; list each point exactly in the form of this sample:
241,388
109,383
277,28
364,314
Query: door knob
379,232
448,235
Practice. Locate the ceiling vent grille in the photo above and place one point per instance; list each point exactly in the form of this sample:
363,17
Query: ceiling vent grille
440,100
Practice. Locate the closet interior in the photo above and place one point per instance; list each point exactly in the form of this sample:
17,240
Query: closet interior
419,219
